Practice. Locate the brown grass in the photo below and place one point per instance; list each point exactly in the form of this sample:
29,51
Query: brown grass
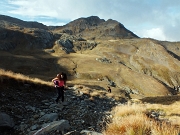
20,77
164,100
132,120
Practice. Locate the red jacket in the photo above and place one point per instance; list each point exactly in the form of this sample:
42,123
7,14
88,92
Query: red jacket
59,83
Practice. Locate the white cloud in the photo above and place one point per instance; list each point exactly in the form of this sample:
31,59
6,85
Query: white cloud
156,33
33,8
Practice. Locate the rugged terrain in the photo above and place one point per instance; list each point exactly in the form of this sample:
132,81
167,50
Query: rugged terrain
94,53
91,50
32,106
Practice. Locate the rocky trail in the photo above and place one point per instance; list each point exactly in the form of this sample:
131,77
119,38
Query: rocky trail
35,112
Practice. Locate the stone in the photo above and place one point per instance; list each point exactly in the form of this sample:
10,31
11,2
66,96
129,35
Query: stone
6,121
87,132
53,126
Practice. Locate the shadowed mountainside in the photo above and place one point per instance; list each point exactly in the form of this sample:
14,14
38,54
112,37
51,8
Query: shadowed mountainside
93,52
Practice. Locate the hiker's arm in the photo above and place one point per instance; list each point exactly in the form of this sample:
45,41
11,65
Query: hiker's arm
54,79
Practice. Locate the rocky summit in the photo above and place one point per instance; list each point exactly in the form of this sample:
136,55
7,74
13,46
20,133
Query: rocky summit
95,28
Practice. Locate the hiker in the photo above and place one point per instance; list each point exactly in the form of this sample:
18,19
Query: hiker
109,89
60,83
177,88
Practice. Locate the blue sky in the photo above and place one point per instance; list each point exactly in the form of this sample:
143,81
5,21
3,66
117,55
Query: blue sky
158,19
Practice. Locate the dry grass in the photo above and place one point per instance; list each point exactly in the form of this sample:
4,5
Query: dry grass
96,93
164,100
88,91
20,77
132,120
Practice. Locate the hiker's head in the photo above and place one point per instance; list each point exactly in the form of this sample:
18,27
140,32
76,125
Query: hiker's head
61,76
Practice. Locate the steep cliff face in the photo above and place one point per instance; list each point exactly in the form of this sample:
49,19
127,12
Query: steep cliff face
91,50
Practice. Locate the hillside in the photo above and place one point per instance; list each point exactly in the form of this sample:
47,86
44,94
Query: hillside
31,104
27,105
7,22
93,52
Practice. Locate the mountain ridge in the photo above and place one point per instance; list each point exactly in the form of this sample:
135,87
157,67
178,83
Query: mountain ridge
95,50
14,21
97,27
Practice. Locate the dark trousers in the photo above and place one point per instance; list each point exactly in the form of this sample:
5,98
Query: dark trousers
60,91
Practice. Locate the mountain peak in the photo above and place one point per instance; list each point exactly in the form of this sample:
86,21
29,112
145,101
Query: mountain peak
89,21
94,27
94,19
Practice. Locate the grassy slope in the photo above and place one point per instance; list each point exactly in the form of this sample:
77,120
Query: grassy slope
136,64
128,119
